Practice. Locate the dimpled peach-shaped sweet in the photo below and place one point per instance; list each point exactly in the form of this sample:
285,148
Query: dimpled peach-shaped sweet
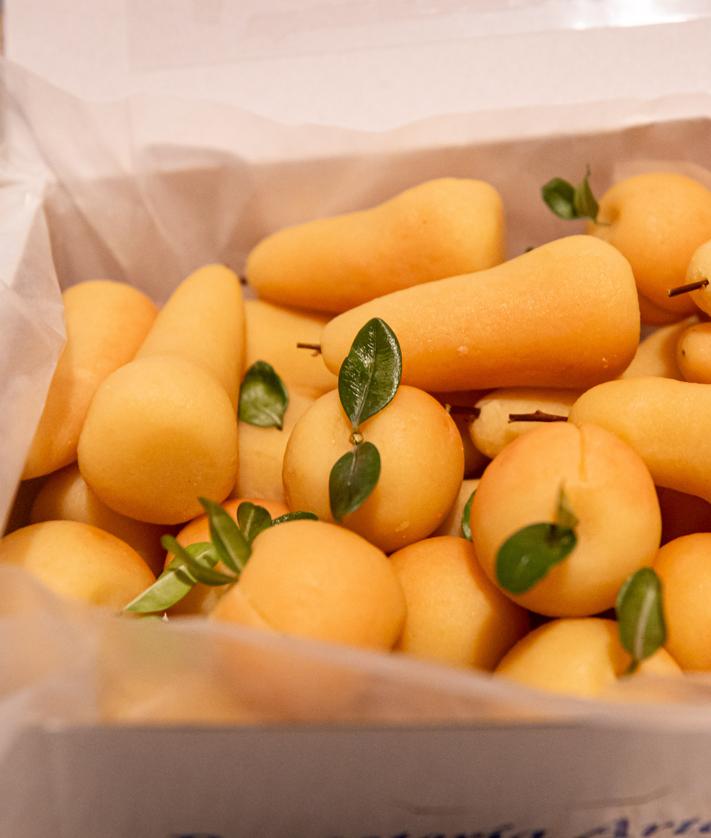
454,614
105,324
665,421
656,220
684,568
78,561
562,315
582,657
439,228
203,322
261,453
203,598
317,580
452,524
422,465
609,490
693,353
656,354
492,430
682,514
160,432
273,332
65,496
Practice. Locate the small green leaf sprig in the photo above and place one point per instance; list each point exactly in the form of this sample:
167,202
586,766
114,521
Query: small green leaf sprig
640,616
367,382
527,555
570,202
263,398
230,544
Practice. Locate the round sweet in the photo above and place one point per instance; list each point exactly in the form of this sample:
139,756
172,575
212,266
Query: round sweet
203,598
317,580
454,614
693,353
422,466
492,431
609,490
160,432
684,567
577,657
657,220
78,561
65,496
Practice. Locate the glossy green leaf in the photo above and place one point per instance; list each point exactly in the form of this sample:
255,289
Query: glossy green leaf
568,201
466,515
203,551
294,516
177,579
252,520
640,615
370,374
263,398
559,197
170,587
232,547
585,204
195,562
353,478
527,556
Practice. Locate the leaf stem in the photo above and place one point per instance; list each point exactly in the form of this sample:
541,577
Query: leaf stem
684,289
536,416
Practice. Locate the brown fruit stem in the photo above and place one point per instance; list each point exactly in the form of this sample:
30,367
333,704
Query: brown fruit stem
684,289
316,347
536,416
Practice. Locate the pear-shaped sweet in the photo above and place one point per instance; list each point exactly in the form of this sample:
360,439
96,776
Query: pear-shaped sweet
439,228
563,315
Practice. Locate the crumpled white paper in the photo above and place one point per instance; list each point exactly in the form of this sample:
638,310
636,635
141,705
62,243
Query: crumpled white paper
145,190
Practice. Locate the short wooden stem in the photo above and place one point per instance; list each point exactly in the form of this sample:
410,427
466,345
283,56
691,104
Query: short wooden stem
316,347
536,416
684,289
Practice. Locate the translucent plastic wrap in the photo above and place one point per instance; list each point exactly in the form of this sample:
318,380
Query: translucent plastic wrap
144,191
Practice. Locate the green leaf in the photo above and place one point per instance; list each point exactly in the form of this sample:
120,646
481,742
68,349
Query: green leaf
466,514
263,398
233,549
203,551
170,587
177,580
252,520
585,204
568,201
200,569
527,556
294,516
564,516
371,373
353,478
559,196
640,615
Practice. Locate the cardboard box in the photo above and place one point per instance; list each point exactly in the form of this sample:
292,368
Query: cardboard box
144,190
